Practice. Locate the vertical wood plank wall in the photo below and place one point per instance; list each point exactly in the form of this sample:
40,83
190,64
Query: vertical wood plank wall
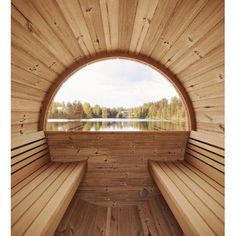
49,36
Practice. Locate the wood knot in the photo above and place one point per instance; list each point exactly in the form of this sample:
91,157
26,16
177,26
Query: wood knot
221,76
190,39
88,9
29,26
197,53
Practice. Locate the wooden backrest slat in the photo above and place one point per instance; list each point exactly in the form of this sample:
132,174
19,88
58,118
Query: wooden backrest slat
21,174
206,153
217,140
206,178
28,147
29,153
207,187
213,173
25,155
24,163
211,155
25,139
30,178
206,146
205,159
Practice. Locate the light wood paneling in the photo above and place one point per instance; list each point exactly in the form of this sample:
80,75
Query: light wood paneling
117,162
41,189
49,36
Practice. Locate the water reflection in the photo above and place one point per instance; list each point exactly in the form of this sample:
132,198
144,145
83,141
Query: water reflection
114,125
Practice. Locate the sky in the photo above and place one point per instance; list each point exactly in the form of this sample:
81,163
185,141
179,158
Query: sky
116,83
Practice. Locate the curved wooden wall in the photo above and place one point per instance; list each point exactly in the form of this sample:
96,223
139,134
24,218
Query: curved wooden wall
49,36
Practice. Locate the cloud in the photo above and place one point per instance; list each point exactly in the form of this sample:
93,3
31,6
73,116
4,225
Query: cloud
116,82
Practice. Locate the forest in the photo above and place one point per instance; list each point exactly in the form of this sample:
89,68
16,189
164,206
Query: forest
162,110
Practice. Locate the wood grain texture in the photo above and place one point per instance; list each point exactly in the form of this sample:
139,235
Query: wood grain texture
117,162
84,218
196,208
49,36
41,189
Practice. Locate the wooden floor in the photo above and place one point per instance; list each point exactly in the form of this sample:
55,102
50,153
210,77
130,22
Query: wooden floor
152,217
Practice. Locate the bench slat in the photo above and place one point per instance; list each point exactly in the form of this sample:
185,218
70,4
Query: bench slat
27,154
216,195
21,174
204,152
26,139
207,169
51,214
205,159
207,146
33,185
41,154
30,178
30,215
179,205
209,202
206,178
28,147
212,221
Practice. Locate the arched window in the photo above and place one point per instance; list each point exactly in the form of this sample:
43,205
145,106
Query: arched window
117,95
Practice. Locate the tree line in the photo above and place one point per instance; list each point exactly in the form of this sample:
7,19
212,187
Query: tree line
162,109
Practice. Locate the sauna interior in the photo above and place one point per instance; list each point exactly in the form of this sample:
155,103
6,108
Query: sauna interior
117,183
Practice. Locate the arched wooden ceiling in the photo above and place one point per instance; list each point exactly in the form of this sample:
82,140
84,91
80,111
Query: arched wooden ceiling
185,36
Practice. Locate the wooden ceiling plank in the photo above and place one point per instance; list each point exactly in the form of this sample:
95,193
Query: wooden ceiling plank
41,30
145,12
160,20
213,39
25,40
127,13
211,60
74,16
177,25
52,14
92,15
110,17
205,20
215,75
27,62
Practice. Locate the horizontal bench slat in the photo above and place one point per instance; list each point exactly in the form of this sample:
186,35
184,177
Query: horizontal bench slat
178,203
206,178
28,147
21,174
206,153
207,169
202,183
205,159
207,146
41,154
213,222
26,181
217,140
22,219
51,213
26,139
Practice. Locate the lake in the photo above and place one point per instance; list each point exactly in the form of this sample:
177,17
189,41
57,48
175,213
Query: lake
114,124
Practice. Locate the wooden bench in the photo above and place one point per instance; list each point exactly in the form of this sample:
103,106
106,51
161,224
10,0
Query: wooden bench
194,188
41,189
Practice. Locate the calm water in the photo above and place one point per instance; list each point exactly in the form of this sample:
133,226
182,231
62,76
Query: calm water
111,124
